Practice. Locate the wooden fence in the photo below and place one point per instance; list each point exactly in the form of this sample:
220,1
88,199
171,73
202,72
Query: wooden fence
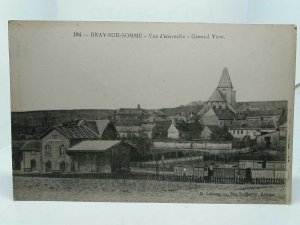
159,177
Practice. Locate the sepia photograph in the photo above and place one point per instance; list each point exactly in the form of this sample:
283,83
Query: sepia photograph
152,112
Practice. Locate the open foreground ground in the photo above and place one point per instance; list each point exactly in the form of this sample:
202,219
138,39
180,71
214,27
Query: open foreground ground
110,190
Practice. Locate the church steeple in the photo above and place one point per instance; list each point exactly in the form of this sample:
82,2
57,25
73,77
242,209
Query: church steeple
225,81
226,88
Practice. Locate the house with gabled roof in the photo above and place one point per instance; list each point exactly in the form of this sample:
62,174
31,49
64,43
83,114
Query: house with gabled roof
137,116
31,156
166,130
60,137
217,117
252,128
130,116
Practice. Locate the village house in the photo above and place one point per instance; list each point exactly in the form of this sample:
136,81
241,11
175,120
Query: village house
252,128
130,116
275,140
31,156
146,130
60,137
137,116
262,115
166,130
217,117
101,156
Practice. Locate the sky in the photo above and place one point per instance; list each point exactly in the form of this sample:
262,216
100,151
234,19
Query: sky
52,69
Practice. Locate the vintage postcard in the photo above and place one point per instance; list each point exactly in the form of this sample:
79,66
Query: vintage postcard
152,112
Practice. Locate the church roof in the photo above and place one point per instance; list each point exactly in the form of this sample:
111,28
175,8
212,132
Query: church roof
216,96
225,81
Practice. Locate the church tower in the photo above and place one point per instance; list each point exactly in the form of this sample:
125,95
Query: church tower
223,97
226,88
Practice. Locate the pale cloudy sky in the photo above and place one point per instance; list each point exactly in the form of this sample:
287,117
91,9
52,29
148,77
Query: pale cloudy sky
50,69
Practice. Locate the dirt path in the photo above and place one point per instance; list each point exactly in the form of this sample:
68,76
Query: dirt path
72,189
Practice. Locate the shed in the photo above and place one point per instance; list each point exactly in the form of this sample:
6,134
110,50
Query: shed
102,156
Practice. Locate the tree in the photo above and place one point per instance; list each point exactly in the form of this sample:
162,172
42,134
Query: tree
221,134
143,145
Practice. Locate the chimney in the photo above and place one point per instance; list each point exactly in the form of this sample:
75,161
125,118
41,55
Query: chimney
138,106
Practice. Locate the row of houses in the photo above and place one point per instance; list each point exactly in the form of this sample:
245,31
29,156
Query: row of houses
219,111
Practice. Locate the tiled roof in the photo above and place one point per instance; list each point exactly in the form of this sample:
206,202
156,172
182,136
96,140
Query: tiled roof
225,81
217,96
98,126
31,145
94,146
76,132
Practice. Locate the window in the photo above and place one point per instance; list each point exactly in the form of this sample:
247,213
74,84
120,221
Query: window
48,149
238,132
242,132
62,150
233,131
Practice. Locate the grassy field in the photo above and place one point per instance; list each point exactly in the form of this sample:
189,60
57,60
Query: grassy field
105,190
